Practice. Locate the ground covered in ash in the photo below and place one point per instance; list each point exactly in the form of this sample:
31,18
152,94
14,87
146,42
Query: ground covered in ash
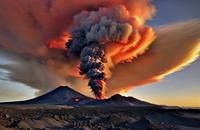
93,118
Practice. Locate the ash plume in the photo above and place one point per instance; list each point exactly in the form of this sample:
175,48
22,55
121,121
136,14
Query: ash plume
31,37
107,42
93,31
92,60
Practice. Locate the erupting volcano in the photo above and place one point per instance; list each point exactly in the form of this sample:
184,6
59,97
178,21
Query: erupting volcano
106,37
101,49
104,44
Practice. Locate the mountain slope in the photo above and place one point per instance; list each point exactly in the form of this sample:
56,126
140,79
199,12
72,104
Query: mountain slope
64,95
119,100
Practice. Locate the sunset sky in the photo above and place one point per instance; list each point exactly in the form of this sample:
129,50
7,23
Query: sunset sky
181,88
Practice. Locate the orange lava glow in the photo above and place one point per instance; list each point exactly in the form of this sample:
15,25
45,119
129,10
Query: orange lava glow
76,99
102,94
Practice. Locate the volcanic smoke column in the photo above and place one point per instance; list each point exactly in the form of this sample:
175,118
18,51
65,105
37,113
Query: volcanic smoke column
92,64
108,33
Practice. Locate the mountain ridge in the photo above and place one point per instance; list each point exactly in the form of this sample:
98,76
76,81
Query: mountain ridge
64,95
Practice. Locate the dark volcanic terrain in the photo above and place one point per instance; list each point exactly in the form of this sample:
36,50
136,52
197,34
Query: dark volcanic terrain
66,109
89,118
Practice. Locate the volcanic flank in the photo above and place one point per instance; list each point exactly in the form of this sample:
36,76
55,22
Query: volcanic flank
64,95
66,109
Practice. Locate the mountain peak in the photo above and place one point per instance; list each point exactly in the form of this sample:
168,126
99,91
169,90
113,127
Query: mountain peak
64,88
61,95
63,91
64,95
116,97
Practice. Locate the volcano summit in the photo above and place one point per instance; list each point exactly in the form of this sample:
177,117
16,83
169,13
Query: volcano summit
64,95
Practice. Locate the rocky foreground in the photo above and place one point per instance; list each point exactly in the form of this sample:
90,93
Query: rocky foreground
94,118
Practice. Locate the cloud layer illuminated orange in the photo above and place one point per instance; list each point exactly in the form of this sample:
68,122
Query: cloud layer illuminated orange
31,30
176,46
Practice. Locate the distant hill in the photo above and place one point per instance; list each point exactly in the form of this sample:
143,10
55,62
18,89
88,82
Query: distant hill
64,95
119,100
